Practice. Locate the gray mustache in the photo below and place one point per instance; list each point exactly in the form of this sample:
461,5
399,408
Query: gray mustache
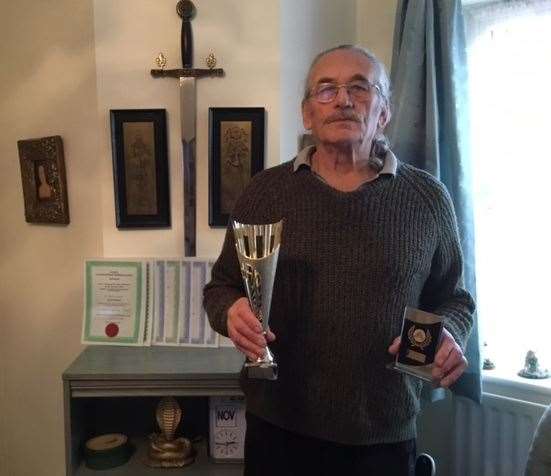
342,117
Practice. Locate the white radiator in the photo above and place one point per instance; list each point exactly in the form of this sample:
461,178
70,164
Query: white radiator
493,439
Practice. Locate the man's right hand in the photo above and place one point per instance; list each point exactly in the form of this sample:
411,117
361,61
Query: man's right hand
245,330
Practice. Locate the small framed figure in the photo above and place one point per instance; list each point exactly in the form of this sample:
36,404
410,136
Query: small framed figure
236,153
140,168
43,178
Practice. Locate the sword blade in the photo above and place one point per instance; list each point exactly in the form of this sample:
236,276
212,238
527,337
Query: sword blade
187,121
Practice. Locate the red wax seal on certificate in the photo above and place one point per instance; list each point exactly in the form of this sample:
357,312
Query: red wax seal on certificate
111,330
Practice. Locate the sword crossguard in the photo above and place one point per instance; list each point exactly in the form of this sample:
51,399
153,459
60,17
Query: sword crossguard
187,73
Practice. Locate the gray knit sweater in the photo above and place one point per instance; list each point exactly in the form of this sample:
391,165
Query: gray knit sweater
350,262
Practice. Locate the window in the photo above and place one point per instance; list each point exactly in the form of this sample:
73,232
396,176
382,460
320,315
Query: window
509,55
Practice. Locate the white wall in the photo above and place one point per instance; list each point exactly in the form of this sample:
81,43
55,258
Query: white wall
375,27
47,87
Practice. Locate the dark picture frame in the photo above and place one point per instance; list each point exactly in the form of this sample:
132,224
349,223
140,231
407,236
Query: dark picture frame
236,153
140,168
42,164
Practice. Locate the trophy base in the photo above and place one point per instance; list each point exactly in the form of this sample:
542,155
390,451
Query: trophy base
264,371
424,372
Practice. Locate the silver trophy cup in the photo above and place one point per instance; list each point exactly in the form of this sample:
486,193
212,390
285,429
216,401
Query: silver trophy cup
258,249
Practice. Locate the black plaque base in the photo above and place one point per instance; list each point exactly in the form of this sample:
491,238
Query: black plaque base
264,371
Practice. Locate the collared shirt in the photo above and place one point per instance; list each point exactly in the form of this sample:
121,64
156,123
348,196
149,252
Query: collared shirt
304,159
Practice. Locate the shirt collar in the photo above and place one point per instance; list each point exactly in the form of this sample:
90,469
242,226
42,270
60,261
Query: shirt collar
304,158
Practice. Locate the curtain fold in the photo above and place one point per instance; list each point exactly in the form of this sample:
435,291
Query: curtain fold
430,129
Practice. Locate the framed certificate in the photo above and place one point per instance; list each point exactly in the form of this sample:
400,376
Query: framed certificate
179,317
117,301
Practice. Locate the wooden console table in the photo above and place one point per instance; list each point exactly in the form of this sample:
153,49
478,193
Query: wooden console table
115,389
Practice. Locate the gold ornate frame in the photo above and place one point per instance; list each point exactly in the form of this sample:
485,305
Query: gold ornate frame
43,177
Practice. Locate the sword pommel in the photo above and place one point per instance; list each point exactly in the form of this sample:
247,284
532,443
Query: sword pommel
186,11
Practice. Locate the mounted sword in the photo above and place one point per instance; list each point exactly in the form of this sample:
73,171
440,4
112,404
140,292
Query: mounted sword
187,76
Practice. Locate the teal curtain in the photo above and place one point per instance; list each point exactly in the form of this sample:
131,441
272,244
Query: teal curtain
430,129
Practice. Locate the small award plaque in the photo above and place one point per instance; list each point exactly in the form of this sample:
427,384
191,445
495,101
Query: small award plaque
421,332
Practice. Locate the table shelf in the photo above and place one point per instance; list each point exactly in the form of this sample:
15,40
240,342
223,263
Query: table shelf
115,389
202,466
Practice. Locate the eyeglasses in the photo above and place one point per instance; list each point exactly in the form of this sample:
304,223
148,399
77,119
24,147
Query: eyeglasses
357,90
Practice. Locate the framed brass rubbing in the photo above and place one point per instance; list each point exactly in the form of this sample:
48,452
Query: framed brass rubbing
43,178
236,153
140,168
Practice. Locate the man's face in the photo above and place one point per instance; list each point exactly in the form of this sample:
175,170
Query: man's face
345,121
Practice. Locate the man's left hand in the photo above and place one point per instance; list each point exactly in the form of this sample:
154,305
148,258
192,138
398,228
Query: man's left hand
449,362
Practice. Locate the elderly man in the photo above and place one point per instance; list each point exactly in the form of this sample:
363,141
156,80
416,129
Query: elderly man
364,236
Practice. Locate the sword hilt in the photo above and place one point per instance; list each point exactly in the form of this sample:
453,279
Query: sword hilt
186,11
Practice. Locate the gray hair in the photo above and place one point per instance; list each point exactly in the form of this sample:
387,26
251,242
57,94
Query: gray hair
382,80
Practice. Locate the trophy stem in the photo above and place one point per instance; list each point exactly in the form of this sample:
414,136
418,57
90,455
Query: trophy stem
269,356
